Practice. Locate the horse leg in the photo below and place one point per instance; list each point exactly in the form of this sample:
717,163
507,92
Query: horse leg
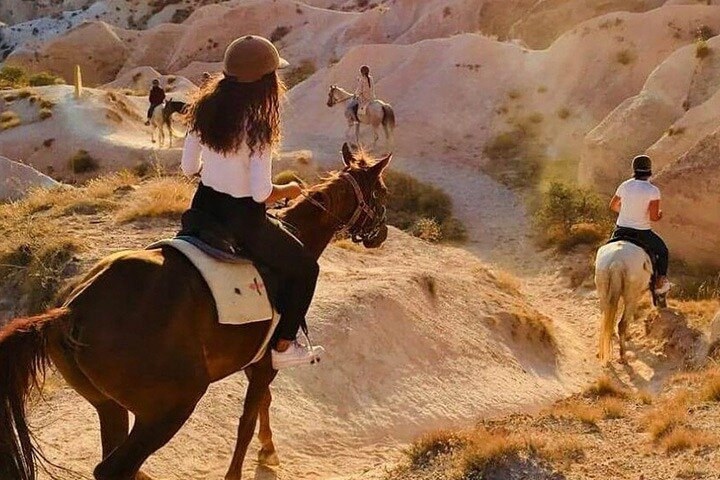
357,133
267,455
149,434
627,317
260,376
114,422
376,136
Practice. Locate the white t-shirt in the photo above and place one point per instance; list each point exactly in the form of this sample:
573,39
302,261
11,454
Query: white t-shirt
240,174
635,197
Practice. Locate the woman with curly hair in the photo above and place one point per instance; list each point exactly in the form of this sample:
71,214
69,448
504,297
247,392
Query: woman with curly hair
234,125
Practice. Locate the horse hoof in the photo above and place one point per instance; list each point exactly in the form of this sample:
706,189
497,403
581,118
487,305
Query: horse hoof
268,459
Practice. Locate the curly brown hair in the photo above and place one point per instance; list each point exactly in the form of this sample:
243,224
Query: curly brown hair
225,113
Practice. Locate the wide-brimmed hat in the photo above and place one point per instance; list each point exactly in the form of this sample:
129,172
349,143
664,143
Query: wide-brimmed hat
249,58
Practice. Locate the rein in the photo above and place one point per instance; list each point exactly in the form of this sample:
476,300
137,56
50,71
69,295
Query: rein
350,225
336,101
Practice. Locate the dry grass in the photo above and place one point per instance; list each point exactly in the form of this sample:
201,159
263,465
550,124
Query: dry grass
625,57
702,49
576,410
161,198
664,419
710,389
507,282
612,408
605,386
684,438
45,113
645,397
9,119
429,446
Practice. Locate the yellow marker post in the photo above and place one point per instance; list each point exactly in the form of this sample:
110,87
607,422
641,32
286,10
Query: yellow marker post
78,82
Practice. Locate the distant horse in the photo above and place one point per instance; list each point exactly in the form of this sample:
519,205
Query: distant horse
162,118
377,113
622,271
141,334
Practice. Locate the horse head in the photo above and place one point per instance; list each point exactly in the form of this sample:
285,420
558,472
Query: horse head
331,96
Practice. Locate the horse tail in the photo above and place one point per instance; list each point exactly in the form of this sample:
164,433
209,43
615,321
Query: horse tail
23,361
388,123
610,288
388,118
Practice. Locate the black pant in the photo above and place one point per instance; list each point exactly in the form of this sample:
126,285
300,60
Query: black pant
152,109
653,241
264,240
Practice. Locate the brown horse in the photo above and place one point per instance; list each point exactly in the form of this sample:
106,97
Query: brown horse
142,336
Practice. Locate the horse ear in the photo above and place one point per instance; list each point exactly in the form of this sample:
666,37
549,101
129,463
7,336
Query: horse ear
380,166
348,157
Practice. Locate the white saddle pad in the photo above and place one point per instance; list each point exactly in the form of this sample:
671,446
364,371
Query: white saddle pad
237,288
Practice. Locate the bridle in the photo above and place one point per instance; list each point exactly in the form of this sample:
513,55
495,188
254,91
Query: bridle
335,101
368,219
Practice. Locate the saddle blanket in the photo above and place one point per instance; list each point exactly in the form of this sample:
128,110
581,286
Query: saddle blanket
237,287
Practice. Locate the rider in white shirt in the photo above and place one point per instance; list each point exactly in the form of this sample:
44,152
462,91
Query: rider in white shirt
365,89
637,201
234,126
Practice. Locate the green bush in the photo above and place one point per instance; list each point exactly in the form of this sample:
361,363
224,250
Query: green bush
569,216
411,204
287,176
12,77
43,79
83,162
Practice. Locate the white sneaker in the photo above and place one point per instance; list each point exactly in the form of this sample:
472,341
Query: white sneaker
296,355
665,288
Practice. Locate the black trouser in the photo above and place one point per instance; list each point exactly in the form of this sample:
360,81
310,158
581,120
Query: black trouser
653,242
152,109
264,240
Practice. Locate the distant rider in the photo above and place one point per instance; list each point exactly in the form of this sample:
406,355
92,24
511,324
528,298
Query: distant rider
638,203
365,90
157,97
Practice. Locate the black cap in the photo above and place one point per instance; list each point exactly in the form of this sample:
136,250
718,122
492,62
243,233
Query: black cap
642,164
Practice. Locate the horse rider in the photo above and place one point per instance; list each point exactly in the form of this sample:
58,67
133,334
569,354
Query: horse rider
234,127
157,97
365,90
637,201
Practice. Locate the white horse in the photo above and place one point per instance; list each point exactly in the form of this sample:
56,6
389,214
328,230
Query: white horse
377,113
162,118
622,270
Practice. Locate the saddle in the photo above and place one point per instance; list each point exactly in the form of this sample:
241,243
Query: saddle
211,236
658,300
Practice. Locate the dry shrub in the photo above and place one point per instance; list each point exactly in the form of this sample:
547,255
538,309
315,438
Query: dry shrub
83,162
710,389
506,281
625,57
575,410
9,119
702,49
304,70
664,419
424,450
605,386
683,438
12,77
161,198
486,450
516,157
427,229
563,113
645,397
612,408
35,254
45,113
279,33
